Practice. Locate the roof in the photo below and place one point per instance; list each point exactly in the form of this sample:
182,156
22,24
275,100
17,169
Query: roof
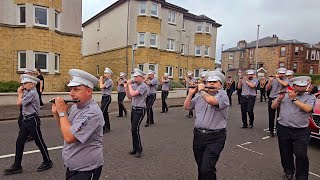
234,49
187,15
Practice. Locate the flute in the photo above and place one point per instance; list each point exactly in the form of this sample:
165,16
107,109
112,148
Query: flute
207,87
66,101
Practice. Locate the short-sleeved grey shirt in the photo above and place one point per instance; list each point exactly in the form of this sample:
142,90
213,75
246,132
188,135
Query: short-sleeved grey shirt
192,80
153,86
246,90
30,102
208,116
291,115
165,85
139,100
275,88
87,126
108,84
120,86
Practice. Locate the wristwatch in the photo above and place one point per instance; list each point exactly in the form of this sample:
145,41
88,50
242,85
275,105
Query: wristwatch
61,114
294,99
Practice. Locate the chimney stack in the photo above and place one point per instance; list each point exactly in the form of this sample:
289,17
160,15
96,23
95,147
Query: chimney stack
242,44
274,39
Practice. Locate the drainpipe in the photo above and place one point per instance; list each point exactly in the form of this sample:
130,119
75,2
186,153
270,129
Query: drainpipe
127,43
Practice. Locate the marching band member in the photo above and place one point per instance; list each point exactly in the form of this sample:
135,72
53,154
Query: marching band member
263,83
230,87
190,82
165,87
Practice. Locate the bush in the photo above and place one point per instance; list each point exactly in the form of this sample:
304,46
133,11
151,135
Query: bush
10,86
173,84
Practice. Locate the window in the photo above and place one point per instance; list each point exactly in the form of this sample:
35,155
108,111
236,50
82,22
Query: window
41,61
142,37
97,69
170,45
307,54
241,55
251,53
199,27
311,69
152,67
182,49
154,9
22,60
184,25
41,16
169,70
206,51
230,55
196,73
153,40
21,14
313,55
301,48
140,66
229,66
198,51
56,19
98,25
143,8
172,17
281,65
317,55
252,66
57,63
295,67
180,72
296,51
283,51
98,47
207,29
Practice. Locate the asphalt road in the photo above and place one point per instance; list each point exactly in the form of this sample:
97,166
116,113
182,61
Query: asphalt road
248,154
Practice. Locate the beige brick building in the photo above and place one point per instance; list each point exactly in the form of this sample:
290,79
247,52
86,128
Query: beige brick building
273,53
169,39
43,34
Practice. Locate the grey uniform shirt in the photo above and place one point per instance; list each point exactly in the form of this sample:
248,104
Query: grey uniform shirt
165,85
193,80
275,88
120,86
291,115
30,102
87,126
153,86
139,100
246,90
208,116
108,84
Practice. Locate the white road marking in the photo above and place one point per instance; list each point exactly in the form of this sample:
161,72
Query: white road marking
250,150
245,143
30,152
314,174
267,137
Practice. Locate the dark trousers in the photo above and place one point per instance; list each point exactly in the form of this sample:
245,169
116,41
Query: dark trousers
164,96
239,95
272,114
207,149
121,96
263,95
150,100
136,117
84,175
105,102
190,111
39,93
30,126
247,105
294,142
229,93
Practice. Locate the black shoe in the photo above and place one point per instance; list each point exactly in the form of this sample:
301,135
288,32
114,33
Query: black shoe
167,110
250,126
125,113
288,177
132,152
13,170
244,126
271,134
119,116
162,112
30,138
106,130
152,123
138,155
146,125
189,116
45,166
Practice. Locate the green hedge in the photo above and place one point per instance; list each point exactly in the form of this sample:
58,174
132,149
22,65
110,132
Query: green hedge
9,86
173,84
315,78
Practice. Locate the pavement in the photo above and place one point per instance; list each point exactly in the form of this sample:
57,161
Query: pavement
11,112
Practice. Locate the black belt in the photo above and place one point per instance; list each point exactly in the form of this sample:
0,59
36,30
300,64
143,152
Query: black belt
138,108
90,171
105,95
248,96
165,90
209,131
30,116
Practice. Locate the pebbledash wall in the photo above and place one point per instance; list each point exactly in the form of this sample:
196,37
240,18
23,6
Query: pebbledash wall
52,43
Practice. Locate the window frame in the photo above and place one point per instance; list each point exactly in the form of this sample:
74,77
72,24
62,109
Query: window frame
313,52
156,40
199,25
154,65
157,11
34,16
144,39
182,51
42,53
98,46
183,25
231,56
19,60
195,72
140,8
139,66
241,55
180,73
296,51
195,50
311,72
206,48
251,53
280,64
281,51
307,56
19,14
58,63
230,66
168,68
317,55
172,20
170,42
57,18
207,26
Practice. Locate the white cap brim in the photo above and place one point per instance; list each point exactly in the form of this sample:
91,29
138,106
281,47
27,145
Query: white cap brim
301,84
73,84
214,78
26,80
281,72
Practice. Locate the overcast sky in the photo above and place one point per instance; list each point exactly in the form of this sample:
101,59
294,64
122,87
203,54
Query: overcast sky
288,19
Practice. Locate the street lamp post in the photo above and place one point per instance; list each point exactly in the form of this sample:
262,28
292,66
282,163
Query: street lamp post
256,54
134,47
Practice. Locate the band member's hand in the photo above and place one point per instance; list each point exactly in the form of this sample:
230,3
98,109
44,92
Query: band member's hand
125,84
245,78
61,105
129,82
101,78
20,90
281,96
292,94
54,110
271,78
201,86
193,90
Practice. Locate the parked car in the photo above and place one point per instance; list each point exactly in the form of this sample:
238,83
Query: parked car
314,120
